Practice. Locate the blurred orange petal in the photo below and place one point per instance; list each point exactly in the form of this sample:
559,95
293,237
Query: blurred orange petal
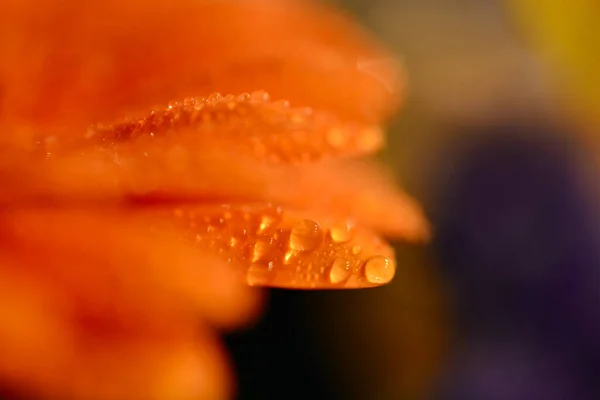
126,270
90,61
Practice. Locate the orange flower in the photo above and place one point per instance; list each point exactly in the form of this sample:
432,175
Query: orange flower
116,236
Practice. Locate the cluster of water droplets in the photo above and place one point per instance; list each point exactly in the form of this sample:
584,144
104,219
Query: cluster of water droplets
252,124
284,249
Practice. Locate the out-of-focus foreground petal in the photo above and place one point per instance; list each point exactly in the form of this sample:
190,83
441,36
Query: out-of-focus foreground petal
110,293
91,61
118,266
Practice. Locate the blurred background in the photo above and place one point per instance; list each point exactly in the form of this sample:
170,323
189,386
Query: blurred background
497,140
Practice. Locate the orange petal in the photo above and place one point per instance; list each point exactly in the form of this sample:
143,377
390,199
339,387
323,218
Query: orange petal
125,272
359,189
184,368
167,172
93,61
282,248
45,354
33,334
247,125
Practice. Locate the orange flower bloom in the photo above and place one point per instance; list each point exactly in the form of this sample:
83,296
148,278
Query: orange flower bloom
117,235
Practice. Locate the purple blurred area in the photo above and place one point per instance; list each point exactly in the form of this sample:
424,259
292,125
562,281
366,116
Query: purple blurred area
517,240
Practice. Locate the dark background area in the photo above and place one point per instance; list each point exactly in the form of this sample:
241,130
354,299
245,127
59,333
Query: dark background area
504,303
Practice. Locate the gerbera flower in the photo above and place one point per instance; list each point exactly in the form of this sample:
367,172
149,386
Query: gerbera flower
122,220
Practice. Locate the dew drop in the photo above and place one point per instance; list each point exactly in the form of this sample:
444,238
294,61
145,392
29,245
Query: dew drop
263,247
267,222
289,255
340,270
342,233
306,235
234,241
259,96
379,270
214,98
259,274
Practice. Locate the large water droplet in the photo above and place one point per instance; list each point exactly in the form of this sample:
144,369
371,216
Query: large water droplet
379,270
306,235
340,270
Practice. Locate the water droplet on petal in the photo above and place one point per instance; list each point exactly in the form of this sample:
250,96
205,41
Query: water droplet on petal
306,235
379,270
289,255
263,247
342,233
340,270
259,96
259,273
267,222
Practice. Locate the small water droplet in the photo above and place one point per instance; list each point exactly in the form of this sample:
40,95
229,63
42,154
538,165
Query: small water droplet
287,258
259,96
340,270
214,98
342,233
259,273
306,235
267,222
263,247
379,270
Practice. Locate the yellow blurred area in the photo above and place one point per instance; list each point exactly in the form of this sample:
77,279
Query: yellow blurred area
566,35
